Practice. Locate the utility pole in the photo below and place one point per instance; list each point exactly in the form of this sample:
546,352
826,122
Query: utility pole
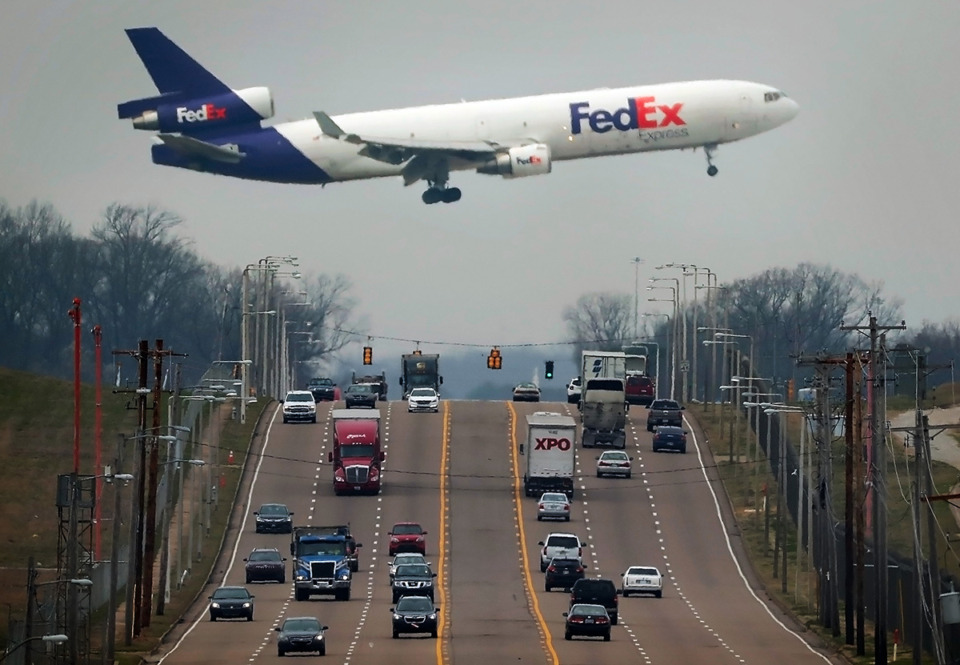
636,295
878,483
824,554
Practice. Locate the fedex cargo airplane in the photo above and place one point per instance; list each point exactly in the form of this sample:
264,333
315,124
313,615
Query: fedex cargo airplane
204,125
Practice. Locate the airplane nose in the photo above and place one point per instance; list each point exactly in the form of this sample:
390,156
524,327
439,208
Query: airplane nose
790,109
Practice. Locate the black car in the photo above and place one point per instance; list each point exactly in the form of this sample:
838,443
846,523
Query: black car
274,518
265,564
231,602
412,579
414,614
664,412
562,573
323,389
587,619
596,591
301,634
670,438
360,394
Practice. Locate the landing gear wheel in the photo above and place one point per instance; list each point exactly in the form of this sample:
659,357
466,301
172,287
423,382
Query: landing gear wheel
451,195
432,195
712,170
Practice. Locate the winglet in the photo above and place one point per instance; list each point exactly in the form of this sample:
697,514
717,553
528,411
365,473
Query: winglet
332,129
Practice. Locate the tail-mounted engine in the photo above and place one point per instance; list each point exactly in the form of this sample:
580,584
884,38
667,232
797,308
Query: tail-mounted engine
201,115
520,162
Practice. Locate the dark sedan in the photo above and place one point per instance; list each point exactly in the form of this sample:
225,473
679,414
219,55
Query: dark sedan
414,614
587,620
231,602
302,635
670,438
360,394
265,564
274,518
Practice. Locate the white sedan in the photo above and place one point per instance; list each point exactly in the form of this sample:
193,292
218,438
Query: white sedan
423,399
642,579
614,463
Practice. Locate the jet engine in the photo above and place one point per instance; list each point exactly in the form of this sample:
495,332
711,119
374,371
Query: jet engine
201,115
533,159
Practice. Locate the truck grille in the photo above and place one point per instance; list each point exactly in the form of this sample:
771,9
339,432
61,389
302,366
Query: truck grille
322,569
358,475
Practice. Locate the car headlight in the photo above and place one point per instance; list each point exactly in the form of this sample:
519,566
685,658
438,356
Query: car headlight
215,606
396,616
319,638
247,605
432,616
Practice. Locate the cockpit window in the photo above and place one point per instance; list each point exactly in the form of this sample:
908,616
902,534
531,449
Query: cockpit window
773,96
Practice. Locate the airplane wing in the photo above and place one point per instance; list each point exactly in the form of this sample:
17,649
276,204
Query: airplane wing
194,147
418,156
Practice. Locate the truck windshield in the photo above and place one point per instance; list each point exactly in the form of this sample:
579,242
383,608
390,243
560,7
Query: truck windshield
357,450
322,548
421,380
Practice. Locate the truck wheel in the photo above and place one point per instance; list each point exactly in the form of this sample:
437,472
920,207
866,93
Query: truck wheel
300,594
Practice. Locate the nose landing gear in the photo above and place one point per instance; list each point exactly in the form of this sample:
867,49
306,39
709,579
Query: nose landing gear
711,169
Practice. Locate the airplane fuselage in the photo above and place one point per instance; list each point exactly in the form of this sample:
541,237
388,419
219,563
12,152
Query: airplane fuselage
575,125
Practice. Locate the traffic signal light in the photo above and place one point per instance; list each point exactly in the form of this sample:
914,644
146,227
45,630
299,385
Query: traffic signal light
368,355
494,359
549,371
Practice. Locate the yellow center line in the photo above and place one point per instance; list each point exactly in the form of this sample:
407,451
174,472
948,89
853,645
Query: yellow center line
442,542
518,502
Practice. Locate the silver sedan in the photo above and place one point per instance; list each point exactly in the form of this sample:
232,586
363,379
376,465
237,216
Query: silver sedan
553,505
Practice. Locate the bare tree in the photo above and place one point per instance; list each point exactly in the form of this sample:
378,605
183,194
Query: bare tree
44,268
151,284
601,321
330,316
788,312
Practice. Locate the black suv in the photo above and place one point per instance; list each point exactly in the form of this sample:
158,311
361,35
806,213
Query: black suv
664,412
562,573
265,564
597,592
360,394
412,579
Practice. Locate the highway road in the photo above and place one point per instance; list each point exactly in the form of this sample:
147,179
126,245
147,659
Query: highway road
458,473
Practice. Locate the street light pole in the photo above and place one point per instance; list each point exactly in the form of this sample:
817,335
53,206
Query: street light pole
636,294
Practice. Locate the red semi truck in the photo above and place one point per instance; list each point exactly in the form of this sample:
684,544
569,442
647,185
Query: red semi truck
357,454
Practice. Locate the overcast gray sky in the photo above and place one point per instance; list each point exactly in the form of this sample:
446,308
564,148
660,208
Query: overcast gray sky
864,179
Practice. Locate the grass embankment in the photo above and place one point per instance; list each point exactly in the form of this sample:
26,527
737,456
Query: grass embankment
37,445
747,481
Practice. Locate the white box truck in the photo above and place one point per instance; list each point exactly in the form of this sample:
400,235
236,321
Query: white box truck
602,365
550,453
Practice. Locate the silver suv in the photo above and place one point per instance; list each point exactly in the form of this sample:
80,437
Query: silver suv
562,545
